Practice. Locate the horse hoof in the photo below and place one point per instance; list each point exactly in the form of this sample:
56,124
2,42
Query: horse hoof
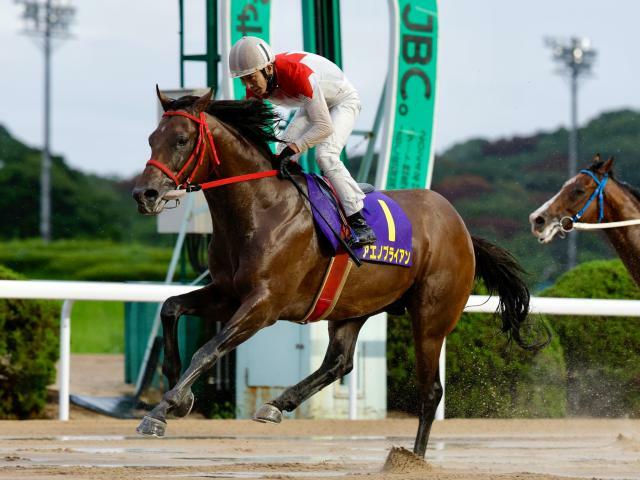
151,427
185,406
267,413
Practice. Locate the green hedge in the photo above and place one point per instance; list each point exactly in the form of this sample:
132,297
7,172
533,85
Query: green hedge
602,353
28,353
485,375
489,377
86,260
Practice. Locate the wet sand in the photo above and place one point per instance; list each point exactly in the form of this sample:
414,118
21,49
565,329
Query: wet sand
102,448
90,446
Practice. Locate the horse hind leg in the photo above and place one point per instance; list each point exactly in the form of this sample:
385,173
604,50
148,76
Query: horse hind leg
338,361
431,322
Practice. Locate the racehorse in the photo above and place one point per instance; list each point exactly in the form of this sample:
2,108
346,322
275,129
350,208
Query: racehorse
267,261
593,196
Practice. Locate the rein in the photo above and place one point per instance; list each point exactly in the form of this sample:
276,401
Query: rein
198,155
571,223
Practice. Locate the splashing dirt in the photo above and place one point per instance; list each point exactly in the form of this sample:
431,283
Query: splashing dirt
401,460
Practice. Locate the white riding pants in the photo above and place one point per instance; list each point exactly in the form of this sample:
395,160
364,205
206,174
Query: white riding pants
343,116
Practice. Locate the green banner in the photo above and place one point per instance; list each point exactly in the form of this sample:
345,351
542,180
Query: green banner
412,109
252,18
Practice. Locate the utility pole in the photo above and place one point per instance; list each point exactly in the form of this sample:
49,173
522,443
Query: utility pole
46,20
575,58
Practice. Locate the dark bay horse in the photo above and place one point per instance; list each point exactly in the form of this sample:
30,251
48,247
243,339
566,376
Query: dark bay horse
267,262
619,202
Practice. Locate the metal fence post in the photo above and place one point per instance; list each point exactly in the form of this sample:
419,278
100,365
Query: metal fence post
65,360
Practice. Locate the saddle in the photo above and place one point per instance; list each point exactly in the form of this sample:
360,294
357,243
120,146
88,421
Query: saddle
389,222
387,219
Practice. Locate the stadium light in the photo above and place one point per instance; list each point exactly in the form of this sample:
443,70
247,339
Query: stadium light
46,20
575,58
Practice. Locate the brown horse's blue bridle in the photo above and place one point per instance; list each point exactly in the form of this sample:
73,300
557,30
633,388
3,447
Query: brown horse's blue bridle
598,192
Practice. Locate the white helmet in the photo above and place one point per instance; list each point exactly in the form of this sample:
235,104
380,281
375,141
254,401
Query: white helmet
249,55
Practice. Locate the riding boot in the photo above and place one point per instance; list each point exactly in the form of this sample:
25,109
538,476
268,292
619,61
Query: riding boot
361,233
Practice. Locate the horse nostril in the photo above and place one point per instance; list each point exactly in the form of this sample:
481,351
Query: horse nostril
151,195
136,194
539,221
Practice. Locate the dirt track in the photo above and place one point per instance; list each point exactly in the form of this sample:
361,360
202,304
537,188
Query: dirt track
90,446
98,448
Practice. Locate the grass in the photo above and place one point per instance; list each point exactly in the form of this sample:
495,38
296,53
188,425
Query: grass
97,327
85,260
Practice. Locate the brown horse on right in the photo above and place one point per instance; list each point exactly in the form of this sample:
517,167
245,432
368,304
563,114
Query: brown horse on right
620,201
267,261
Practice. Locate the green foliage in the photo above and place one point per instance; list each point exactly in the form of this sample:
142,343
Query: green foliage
601,352
495,185
83,206
520,174
86,260
218,410
596,279
97,327
28,353
485,376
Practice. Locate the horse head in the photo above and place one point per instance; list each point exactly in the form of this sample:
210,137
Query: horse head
193,136
573,200
181,153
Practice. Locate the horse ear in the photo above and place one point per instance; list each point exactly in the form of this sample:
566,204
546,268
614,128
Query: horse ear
164,100
202,103
606,166
596,158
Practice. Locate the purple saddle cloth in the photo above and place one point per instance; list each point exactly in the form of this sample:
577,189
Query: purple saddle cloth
384,216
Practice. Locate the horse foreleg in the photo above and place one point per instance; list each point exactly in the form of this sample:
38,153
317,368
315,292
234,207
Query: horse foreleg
338,361
205,302
253,314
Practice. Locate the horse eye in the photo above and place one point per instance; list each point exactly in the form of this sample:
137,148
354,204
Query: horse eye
182,141
577,192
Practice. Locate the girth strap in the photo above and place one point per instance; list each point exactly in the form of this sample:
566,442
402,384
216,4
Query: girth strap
331,288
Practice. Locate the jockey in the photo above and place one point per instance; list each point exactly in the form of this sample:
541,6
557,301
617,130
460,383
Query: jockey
327,104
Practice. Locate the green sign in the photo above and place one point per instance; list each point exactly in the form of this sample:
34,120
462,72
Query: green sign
248,18
410,109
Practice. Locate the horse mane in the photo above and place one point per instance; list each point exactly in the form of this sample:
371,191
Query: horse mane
635,192
254,120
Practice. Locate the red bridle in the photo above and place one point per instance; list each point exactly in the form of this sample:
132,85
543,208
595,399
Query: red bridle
199,153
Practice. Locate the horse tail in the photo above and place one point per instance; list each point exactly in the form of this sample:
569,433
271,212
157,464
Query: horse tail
503,275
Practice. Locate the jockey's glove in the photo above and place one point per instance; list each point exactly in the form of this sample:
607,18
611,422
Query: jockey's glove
286,164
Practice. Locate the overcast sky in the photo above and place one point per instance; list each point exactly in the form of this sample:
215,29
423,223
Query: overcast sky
495,75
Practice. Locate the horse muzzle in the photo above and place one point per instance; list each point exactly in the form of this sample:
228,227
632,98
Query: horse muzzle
150,201
544,228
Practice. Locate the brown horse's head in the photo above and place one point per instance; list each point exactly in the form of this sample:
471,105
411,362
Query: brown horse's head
546,221
192,140
172,144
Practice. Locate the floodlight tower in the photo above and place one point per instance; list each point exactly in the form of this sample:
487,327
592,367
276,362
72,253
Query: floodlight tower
575,58
46,20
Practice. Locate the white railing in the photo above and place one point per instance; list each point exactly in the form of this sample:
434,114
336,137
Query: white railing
139,292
